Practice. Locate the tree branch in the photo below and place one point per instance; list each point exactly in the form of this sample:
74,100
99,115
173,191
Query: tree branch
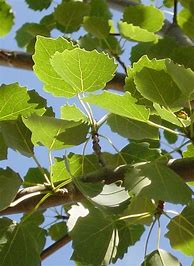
183,167
55,246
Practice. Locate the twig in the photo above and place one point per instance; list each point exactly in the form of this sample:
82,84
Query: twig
121,63
55,246
175,12
148,237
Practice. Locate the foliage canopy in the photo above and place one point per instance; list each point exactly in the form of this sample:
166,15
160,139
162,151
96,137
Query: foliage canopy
107,199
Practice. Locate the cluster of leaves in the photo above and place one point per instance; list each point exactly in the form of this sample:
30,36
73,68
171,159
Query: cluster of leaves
157,86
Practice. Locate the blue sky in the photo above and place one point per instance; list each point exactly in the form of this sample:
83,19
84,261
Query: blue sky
21,164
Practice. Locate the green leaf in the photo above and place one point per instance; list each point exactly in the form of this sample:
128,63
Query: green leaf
17,136
34,176
59,171
128,236
160,257
146,17
80,165
184,79
181,231
49,22
83,70
189,151
3,148
15,101
26,35
19,242
97,26
9,185
100,8
6,18
123,105
132,129
45,48
131,32
57,230
164,184
140,206
72,113
170,116
70,15
184,56
139,152
168,3
55,133
186,21
91,237
38,5
155,84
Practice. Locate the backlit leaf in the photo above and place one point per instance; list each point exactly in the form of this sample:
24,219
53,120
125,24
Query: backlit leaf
72,113
57,230
45,48
123,105
97,26
59,171
131,32
55,133
6,18
83,70
15,101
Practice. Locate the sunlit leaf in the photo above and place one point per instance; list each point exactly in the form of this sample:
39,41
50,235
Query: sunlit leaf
83,70
186,21
45,48
131,32
55,133
9,185
189,152
15,101
6,18
59,171
181,231
123,105
72,113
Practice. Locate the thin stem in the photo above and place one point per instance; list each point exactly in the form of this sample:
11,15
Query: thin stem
148,237
115,148
121,63
103,120
88,112
175,12
159,234
51,172
41,169
164,128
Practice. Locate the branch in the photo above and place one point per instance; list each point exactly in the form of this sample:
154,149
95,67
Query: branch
183,167
55,246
